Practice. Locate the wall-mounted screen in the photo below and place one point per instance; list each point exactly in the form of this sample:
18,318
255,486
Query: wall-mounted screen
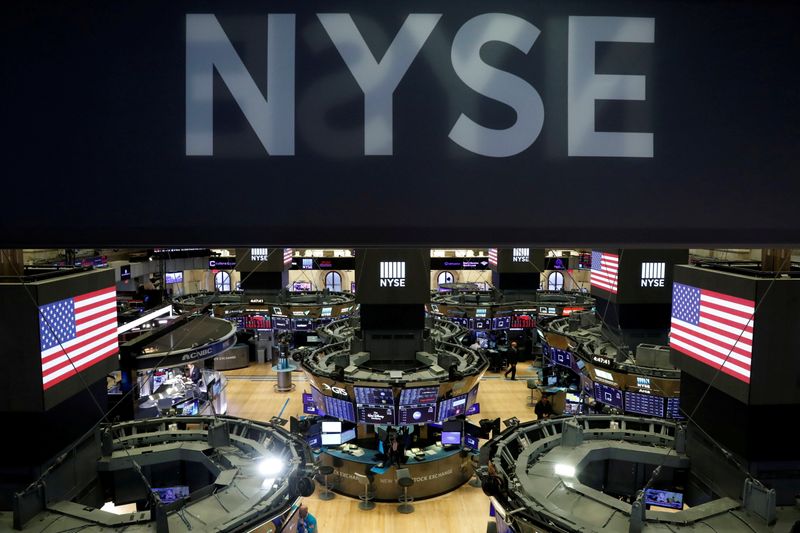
173,277
455,406
644,404
608,395
418,395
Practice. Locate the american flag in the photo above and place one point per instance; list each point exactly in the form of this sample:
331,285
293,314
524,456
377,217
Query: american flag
76,333
287,256
605,268
708,325
493,256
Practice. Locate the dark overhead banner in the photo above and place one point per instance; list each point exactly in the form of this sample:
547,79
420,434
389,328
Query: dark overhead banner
399,123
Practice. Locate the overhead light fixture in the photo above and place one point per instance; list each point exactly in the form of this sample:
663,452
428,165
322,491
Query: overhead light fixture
564,470
271,466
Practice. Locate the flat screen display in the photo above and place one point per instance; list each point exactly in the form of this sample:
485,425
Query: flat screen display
419,395
331,439
124,272
663,498
342,409
374,395
472,396
173,277
172,494
457,405
314,441
608,395
451,437
326,311
473,443
331,427
474,409
416,414
480,312
561,357
644,404
319,400
674,409
375,414
501,322
301,286
280,322
482,324
348,435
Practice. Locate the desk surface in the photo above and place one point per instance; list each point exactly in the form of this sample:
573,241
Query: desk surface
433,452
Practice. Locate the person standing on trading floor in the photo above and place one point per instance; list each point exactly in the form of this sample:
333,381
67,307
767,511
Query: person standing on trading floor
307,523
512,355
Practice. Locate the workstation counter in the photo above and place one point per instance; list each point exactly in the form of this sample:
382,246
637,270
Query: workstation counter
437,471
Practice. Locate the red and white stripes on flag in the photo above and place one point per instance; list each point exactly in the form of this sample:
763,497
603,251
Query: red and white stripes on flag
605,269
714,328
76,333
287,256
493,256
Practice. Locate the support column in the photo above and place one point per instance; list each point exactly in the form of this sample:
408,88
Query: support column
776,259
11,262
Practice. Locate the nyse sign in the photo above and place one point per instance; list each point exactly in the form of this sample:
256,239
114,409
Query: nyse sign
272,116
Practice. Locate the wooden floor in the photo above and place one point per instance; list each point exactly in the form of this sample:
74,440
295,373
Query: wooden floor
251,394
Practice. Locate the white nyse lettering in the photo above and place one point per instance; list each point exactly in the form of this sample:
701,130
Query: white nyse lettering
208,48
378,79
496,84
584,86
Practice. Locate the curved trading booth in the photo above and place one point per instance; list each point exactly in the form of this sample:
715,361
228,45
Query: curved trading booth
167,368
496,318
370,401
596,373
597,474
177,474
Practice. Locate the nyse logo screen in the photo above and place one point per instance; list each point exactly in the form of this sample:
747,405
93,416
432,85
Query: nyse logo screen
393,274
259,254
521,255
653,274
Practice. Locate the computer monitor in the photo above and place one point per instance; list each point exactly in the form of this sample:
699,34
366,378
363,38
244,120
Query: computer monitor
314,441
663,498
451,437
455,406
474,409
331,426
552,381
172,494
348,435
471,442
331,439
451,431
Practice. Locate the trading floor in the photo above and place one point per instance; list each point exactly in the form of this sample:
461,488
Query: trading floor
251,395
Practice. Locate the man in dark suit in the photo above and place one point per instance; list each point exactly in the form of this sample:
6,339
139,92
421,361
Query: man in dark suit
512,355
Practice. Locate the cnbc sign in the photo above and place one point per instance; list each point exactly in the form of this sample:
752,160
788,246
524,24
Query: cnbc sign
271,111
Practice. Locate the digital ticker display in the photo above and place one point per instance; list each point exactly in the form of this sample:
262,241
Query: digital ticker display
418,395
374,395
455,406
342,409
644,404
674,409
